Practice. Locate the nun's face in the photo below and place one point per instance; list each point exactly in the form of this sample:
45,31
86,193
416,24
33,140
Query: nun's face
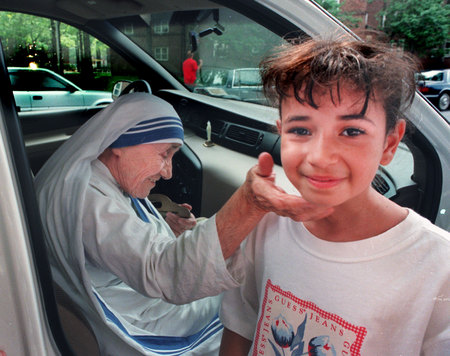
138,168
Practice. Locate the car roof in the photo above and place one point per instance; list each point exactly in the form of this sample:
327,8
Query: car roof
435,71
30,69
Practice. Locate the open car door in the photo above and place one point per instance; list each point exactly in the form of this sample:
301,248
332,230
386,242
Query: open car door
30,323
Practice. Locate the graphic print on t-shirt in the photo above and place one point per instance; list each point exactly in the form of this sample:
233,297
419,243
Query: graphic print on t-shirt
294,327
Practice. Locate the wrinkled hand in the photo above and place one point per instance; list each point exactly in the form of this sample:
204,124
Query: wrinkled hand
178,224
264,194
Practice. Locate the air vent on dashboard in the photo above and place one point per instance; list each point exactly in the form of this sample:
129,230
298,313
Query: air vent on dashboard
242,134
380,184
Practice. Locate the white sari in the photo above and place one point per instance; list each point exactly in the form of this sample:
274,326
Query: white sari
128,277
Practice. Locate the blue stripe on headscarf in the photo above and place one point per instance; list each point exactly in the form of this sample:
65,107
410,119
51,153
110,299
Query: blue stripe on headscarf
160,121
167,129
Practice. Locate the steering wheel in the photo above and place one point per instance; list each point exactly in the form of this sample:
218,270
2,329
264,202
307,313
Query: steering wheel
137,86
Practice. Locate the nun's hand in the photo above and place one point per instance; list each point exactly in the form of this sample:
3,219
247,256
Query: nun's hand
264,194
179,224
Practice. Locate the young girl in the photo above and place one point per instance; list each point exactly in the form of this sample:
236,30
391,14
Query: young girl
372,278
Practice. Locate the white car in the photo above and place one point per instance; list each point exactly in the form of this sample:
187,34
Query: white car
149,39
43,89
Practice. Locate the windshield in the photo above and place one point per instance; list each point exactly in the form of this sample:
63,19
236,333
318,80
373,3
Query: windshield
214,51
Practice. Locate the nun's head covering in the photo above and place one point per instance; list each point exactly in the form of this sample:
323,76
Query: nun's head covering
130,120
62,182
159,129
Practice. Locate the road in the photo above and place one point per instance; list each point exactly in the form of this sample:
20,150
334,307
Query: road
446,114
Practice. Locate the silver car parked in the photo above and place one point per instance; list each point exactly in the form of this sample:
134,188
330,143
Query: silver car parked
43,89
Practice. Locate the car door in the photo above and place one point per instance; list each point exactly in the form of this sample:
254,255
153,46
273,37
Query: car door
30,322
46,91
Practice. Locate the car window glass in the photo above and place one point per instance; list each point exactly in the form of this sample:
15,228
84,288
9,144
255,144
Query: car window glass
32,43
46,82
438,77
14,78
433,76
229,45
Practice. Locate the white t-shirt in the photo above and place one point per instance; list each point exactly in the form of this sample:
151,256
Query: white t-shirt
386,295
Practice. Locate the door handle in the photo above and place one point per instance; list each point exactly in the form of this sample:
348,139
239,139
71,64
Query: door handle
37,97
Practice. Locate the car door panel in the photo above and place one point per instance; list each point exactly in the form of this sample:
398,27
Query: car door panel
23,100
55,98
30,321
44,131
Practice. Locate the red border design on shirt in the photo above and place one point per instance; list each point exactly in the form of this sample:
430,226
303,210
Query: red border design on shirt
359,331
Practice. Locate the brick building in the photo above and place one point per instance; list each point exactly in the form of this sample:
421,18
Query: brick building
367,13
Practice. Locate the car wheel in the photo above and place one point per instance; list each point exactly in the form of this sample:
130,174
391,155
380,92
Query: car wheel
444,101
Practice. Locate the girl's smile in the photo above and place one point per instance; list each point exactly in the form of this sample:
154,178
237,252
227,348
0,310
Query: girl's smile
324,182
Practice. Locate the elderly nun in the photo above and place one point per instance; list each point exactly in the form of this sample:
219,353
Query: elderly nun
141,289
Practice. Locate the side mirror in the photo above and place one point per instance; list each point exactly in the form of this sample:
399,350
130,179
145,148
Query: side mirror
119,87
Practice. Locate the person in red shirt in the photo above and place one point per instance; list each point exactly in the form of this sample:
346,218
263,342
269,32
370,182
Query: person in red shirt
190,68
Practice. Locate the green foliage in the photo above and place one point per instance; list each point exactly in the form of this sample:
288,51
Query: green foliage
422,25
334,8
28,38
24,28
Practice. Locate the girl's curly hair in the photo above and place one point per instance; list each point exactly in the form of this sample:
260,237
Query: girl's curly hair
373,68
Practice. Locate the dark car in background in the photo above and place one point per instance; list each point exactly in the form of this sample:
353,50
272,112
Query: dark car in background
43,89
435,85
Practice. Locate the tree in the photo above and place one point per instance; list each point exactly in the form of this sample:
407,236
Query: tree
422,25
334,8
25,38
56,44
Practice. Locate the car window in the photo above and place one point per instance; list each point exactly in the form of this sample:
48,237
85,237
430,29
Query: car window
33,42
30,80
229,45
433,76
46,82
247,77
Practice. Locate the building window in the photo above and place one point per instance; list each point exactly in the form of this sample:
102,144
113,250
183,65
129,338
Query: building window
162,54
161,27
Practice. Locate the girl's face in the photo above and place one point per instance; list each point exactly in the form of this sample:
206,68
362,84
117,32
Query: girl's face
141,166
331,154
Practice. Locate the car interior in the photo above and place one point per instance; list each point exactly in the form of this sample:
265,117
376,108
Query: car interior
205,173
